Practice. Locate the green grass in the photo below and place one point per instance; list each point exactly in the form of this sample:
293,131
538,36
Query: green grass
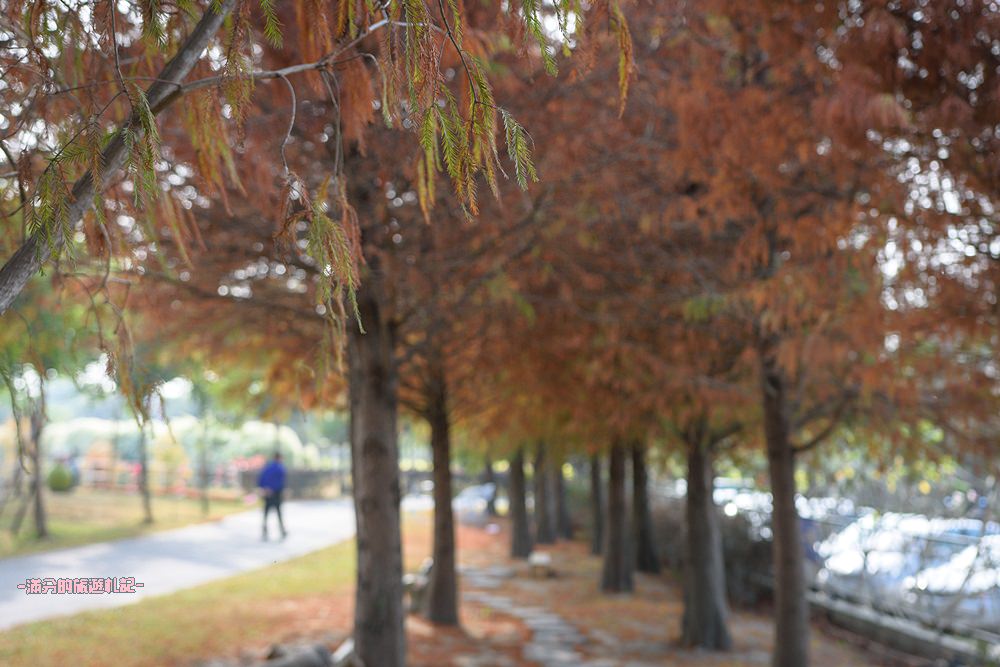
85,516
309,595
181,628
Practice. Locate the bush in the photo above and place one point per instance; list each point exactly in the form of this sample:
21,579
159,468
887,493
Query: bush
60,479
747,558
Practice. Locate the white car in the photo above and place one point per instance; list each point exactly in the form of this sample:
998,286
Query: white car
471,502
964,590
872,558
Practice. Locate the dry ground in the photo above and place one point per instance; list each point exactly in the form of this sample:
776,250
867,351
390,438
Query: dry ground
634,630
308,600
638,629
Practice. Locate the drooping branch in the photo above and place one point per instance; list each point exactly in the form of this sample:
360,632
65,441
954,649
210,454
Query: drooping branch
321,65
166,88
33,253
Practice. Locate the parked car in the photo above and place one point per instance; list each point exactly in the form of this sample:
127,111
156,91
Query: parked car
471,502
872,558
726,489
963,591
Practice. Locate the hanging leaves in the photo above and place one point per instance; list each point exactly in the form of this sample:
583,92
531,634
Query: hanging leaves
518,150
626,59
272,26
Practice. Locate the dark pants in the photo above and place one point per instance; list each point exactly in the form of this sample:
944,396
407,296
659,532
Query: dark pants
273,501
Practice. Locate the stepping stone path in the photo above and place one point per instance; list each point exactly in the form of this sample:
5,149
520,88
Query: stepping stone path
554,641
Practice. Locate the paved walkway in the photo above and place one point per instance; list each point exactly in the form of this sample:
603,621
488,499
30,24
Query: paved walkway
175,559
554,641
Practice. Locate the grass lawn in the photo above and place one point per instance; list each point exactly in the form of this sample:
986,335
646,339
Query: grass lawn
307,597
84,516
311,599
214,619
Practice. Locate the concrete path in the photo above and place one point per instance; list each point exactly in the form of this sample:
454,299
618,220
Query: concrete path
554,641
175,559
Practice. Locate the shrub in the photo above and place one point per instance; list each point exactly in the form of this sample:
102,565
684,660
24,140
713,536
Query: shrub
60,479
747,557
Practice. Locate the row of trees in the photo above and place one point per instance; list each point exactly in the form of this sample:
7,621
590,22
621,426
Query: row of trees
786,231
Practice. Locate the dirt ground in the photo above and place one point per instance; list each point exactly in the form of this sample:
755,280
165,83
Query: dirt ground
637,630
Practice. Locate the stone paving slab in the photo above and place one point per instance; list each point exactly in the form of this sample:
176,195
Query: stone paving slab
553,639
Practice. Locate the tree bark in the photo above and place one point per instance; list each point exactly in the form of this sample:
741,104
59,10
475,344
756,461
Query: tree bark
520,530
441,599
564,522
17,488
373,383
706,613
115,450
647,559
618,561
29,258
489,477
545,525
203,474
22,510
37,424
14,490
791,614
147,504
596,506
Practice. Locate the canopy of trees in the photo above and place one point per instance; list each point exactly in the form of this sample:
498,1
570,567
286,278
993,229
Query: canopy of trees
548,230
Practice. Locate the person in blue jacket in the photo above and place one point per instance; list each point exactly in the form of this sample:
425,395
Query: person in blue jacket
272,482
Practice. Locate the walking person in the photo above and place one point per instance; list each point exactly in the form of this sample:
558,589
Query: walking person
272,483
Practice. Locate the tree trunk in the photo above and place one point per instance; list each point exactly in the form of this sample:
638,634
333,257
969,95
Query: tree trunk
203,465
564,523
37,424
706,613
115,446
618,560
489,477
441,599
520,531
646,557
373,381
17,488
14,490
22,510
545,525
791,613
596,506
147,504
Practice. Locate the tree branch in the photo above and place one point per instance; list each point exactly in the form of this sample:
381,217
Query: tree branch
30,257
835,419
